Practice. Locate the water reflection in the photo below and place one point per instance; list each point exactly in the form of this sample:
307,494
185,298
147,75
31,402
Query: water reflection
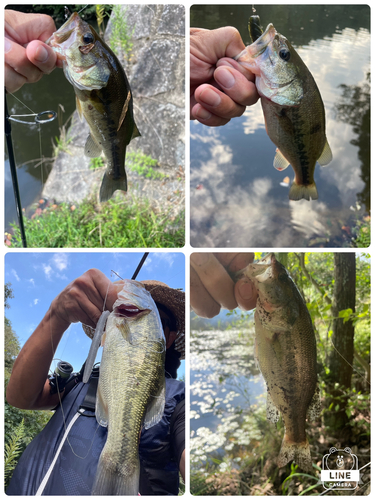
237,198
224,382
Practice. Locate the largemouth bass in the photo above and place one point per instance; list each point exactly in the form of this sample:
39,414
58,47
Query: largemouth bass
131,389
103,97
285,349
292,106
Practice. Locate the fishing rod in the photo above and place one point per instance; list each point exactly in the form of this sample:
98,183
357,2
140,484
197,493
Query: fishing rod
39,118
13,171
144,257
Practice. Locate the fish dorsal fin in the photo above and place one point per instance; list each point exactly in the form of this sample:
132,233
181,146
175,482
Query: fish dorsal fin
101,408
280,162
79,108
272,412
314,409
92,148
155,408
326,156
124,111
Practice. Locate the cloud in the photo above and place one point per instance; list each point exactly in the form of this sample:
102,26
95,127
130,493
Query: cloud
31,281
166,257
36,301
14,272
48,271
60,260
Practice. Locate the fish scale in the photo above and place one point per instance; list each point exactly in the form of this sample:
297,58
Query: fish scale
292,106
103,97
131,388
286,354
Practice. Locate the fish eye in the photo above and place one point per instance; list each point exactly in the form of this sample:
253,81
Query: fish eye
284,54
88,38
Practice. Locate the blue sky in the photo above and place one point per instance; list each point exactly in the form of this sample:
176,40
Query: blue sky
38,277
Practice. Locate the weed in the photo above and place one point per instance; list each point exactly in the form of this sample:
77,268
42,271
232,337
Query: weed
143,165
96,163
120,39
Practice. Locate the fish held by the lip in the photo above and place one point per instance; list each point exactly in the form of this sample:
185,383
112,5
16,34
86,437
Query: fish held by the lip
131,389
285,349
103,97
292,106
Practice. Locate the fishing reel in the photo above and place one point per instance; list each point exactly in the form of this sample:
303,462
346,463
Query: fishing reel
61,376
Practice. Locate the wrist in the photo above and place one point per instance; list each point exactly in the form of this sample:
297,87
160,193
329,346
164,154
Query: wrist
58,322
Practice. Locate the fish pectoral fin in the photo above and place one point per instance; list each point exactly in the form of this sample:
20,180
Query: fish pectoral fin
155,408
109,186
280,162
326,156
272,412
136,132
79,108
314,409
92,148
124,111
101,408
301,191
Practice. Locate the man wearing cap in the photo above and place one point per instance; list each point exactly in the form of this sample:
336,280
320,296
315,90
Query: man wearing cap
62,459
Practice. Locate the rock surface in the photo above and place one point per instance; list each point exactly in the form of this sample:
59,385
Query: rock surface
155,68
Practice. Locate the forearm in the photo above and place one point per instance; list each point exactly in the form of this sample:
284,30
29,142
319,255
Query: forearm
28,387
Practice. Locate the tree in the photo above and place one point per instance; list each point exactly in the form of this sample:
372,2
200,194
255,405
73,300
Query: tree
340,361
11,341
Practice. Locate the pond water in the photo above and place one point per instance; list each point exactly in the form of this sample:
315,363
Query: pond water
224,381
237,198
50,93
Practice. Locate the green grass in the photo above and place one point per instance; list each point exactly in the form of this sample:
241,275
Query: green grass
115,224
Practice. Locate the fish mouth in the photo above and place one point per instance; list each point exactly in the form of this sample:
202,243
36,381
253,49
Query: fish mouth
129,311
258,270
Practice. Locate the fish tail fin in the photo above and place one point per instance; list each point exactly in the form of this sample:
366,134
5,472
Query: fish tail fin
109,186
299,452
299,192
115,482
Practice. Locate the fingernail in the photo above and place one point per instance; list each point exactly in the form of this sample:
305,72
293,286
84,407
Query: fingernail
41,54
7,45
210,97
199,259
202,113
246,290
224,77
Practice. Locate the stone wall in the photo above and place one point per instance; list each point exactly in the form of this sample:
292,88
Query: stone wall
156,72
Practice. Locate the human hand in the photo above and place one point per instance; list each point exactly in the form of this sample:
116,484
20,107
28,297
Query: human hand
220,88
211,287
27,58
83,299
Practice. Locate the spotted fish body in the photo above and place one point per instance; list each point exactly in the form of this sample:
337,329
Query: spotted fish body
286,354
131,389
103,97
292,106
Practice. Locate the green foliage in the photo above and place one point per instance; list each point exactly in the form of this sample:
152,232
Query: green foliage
120,38
13,448
143,165
58,11
363,233
115,224
97,163
8,294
